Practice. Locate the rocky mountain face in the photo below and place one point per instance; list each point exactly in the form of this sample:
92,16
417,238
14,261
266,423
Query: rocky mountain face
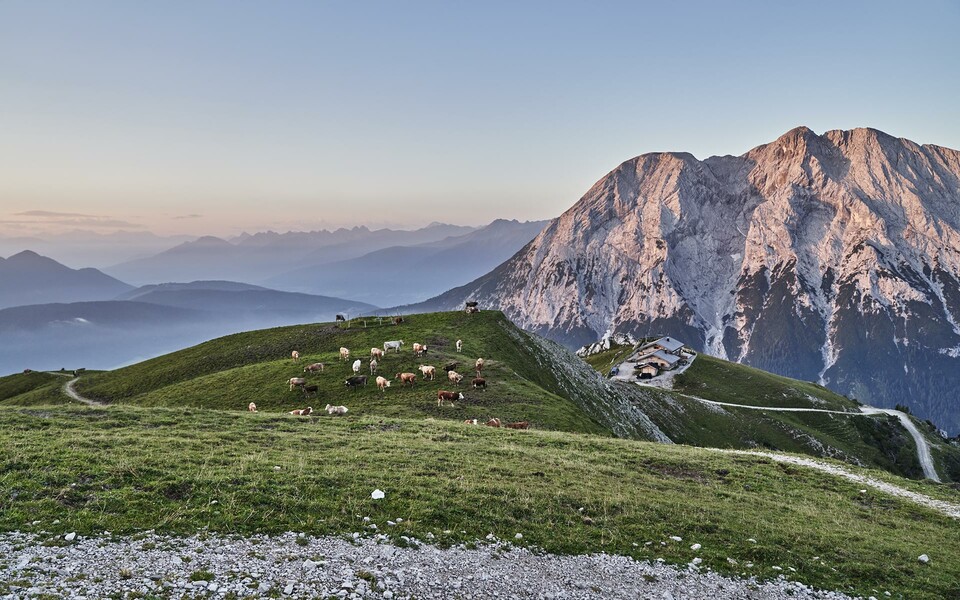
833,258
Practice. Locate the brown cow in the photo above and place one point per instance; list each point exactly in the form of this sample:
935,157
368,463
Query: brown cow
493,423
303,412
406,378
518,425
313,368
479,367
479,382
449,396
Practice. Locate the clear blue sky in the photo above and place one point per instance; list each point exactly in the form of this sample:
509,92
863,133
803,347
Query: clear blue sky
258,115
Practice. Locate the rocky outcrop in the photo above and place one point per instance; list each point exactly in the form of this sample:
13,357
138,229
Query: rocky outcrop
831,257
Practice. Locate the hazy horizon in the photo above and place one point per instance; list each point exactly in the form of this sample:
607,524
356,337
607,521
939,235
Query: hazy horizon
219,118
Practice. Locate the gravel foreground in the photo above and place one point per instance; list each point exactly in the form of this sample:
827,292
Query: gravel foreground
294,566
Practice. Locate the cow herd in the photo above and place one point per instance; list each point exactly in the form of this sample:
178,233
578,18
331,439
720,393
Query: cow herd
402,378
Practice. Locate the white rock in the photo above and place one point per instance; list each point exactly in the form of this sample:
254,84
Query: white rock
70,536
923,558
695,547
288,589
309,565
696,561
676,538
519,536
377,494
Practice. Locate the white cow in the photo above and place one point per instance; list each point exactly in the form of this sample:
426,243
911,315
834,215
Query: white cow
394,345
356,365
459,345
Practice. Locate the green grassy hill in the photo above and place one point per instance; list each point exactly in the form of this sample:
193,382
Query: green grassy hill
127,469
29,389
230,372
176,436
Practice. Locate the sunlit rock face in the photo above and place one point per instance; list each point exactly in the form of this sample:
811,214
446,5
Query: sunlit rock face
832,258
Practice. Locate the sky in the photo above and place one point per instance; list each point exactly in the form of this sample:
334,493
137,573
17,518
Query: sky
221,117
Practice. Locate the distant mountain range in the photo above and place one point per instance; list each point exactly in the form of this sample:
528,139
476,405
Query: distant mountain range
28,278
256,258
404,274
832,258
124,324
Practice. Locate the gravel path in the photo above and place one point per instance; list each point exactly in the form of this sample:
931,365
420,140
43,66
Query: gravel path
923,446
303,567
74,395
947,508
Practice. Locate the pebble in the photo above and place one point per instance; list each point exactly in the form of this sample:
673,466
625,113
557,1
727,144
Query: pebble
262,565
923,558
695,547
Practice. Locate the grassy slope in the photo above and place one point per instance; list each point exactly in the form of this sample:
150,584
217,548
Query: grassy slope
740,384
29,389
878,441
229,372
124,469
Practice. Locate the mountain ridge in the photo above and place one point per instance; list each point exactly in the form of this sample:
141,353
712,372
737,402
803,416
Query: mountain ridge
832,258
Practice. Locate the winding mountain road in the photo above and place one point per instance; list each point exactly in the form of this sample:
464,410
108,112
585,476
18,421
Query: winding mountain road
923,446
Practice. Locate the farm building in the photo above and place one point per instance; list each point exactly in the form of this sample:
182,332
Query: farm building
647,371
659,359
666,344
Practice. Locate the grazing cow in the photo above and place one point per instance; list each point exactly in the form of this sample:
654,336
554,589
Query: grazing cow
450,366
356,365
479,382
397,320
376,353
383,383
309,389
472,422
448,396
493,423
341,319
295,382
27,371
295,356
394,345
459,345
454,377
472,304
518,425
479,367
252,407
344,354
472,309
374,365
429,372
419,349
336,410
303,412
356,381
406,378
313,368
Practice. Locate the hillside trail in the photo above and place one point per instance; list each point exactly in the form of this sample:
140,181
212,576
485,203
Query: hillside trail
949,509
75,395
923,446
